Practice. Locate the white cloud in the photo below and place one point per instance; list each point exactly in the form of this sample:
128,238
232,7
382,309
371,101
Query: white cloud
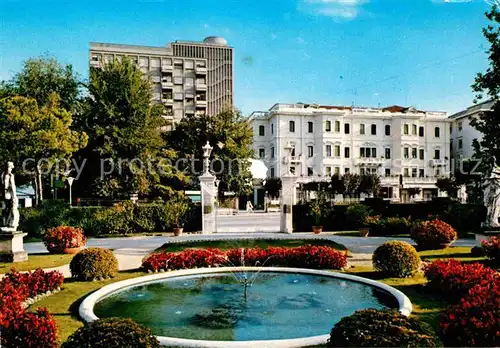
341,9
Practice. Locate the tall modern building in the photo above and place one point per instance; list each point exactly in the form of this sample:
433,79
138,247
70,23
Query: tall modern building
408,148
188,77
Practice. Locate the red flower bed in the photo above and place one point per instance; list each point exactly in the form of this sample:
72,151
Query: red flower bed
492,248
25,329
476,320
454,279
63,237
434,234
317,257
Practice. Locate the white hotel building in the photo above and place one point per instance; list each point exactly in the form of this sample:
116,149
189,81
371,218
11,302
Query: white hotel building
408,148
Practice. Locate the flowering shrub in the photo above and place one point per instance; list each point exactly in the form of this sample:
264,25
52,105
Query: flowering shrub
492,248
381,328
94,263
396,259
63,237
454,279
433,234
475,321
318,257
27,329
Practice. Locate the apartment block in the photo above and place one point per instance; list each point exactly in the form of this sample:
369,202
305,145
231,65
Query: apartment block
188,77
408,148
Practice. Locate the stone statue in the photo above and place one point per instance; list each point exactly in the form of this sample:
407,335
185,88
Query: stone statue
10,213
492,198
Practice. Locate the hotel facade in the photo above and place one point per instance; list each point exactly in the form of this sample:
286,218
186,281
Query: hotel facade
407,148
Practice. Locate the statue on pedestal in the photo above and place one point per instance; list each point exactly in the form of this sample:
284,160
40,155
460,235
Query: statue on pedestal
10,213
492,198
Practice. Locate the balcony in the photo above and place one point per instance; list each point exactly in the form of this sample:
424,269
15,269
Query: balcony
201,86
438,162
292,159
168,100
201,70
167,85
189,110
167,68
200,102
389,180
95,63
179,96
369,161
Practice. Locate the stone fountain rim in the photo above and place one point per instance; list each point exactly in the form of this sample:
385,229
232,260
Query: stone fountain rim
86,309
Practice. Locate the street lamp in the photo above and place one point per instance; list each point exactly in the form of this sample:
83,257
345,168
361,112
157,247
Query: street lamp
70,183
288,151
207,150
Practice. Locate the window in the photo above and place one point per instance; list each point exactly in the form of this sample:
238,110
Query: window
328,126
406,173
272,128
272,152
347,128
291,126
437,154
460,126
337,126
328,171
438,171
374,129
421,173
387,172
328,150
337,150
346,170
437,132
310,151
406,130
292,170
460,143
366,152
406,152
414,129
362,171
421,131
374,152
336,171
262,131
421,154
414,172
272,172
310,127
388,153
262,153
347,152
414,152
362,129
387,130
310,171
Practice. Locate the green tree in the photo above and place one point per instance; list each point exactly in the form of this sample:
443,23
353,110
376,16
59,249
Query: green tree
449,185
36,138
487,86
126,151
231,137
40,78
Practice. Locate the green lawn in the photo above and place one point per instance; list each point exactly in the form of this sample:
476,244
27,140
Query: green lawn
37,261
262,243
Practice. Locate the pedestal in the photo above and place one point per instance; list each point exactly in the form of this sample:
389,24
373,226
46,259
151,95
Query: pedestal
11,247
286,203
208,194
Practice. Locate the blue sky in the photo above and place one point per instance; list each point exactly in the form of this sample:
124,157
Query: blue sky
423,53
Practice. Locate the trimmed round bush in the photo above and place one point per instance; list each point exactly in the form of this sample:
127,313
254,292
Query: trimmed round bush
94,263
381,328
434,234
396,259
112,333
63,237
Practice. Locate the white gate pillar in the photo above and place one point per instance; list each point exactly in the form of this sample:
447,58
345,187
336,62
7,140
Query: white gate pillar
208,195
286,203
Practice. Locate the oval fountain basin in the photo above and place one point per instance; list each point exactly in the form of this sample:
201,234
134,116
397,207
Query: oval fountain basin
212,308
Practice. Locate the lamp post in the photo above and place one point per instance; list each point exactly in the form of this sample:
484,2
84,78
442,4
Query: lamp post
207,150
70,183
288,151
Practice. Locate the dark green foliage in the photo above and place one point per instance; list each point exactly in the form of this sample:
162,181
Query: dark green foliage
273,186
94,263
396,259
356,215
381,328
112,333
